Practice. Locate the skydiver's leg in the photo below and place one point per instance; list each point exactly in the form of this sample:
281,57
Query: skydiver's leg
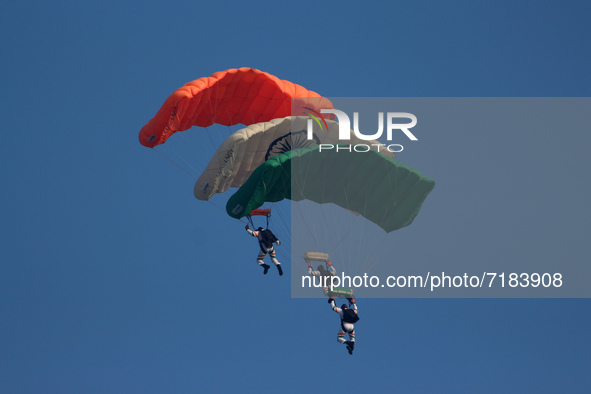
351,342
273,258
260,262
276,262
341,336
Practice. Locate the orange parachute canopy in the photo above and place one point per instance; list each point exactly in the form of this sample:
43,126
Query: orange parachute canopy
243,95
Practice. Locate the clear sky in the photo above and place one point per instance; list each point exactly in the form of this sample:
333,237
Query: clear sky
113,278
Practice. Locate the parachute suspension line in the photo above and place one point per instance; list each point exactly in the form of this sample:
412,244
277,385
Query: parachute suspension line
175,163
344,235
213,110
311,232
185,155
185,159
284,229
219,137
209,201
282,255
363,229
361,245
330,230
283,215
275,208
213,144
346,261
218,207
374,254
249,218
195,142
306,224
216,129
278,208
393,188
297,204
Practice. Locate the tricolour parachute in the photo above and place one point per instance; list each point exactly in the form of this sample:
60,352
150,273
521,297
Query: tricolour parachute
316,256
230,97
384,191
241,153
328,290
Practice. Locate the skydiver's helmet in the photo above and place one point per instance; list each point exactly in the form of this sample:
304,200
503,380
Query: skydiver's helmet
260,229
322,270
344,306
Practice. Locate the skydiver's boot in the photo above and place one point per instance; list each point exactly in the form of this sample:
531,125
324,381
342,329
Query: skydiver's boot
266,268
350,347
279,269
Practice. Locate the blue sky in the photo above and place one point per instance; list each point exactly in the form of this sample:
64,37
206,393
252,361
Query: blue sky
113,278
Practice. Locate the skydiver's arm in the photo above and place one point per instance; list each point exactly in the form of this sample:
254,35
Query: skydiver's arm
331,268
253,233
334,306
311,271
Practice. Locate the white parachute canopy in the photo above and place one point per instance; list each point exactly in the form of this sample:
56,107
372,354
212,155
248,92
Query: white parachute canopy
241,153
316,256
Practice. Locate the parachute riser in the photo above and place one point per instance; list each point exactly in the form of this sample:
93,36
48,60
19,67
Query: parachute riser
250,221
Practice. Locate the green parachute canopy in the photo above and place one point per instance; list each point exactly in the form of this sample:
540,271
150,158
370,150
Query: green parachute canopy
381,189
